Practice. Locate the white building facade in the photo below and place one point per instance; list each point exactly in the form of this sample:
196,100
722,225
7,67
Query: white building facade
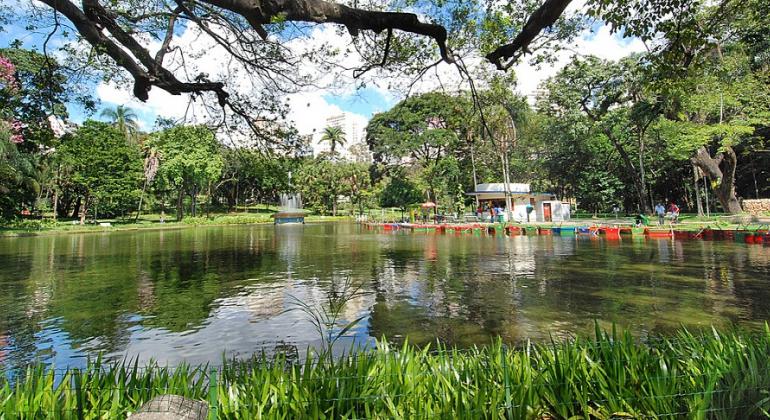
545,206
353,126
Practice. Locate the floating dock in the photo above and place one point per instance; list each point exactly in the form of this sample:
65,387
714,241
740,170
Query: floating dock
758,236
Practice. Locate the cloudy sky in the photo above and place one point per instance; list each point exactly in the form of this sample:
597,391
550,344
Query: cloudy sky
310,108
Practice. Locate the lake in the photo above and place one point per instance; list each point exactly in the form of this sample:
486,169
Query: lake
198,294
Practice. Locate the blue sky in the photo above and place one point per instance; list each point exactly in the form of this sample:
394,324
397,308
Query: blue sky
366,101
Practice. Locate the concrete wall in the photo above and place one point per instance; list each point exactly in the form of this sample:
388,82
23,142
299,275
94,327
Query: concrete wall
757,207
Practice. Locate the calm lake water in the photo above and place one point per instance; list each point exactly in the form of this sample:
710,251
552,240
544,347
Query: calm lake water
197,294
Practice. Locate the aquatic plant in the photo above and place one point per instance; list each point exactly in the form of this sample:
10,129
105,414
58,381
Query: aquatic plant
717,375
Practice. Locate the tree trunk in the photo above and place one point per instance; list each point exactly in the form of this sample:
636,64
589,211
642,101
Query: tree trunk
641,189
76,210
721,168
194,202
696,184
179,202
141,199
55,203
83,210
473,166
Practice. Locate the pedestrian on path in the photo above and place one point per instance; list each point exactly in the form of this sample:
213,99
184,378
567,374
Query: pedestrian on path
661,212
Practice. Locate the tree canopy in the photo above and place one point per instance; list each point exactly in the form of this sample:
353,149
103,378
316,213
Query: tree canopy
105,170
189,161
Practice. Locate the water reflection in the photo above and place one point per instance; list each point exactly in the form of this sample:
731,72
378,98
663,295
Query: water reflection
204,293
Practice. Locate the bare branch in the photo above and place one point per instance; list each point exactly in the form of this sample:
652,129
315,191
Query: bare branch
361,72
167,39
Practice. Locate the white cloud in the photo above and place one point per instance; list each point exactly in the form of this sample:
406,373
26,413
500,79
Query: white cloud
601,43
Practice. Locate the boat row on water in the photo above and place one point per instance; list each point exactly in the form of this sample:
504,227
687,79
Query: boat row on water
758,236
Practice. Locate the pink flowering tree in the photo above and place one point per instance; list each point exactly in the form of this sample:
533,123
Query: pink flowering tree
10,85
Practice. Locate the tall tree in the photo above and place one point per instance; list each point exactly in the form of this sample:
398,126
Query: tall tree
33,89
105,170
190,161
124,118
718,108
335,136
599,92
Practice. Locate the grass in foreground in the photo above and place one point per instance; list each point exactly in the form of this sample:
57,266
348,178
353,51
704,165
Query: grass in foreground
612,376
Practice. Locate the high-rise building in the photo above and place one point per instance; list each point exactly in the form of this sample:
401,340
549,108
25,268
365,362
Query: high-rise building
353,126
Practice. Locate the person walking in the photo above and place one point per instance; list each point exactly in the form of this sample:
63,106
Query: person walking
661,212
674,210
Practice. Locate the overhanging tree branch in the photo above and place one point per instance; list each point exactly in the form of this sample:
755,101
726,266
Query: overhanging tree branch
545,16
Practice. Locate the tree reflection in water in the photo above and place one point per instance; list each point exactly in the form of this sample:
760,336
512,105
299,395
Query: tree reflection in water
200,293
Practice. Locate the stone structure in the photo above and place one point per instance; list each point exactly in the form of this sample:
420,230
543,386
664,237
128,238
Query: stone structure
759,207
171,407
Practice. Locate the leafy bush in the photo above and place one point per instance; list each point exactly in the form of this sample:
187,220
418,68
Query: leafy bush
28,224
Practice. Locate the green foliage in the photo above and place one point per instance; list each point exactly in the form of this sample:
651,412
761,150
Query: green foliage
719,104
335,136
717,375
189,156
423,127
124,118
251,176
322,182
105,170
190,160
37,90
18,176
400,192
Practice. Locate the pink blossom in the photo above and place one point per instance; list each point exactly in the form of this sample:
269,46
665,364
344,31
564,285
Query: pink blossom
15,130
8,74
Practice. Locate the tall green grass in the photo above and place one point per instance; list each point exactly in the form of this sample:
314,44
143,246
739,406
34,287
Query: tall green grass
714,375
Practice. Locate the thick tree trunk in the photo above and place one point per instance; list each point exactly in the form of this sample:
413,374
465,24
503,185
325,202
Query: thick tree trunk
76,210
83,210
721,168
696,184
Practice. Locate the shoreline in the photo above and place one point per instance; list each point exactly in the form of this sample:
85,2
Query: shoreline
154,226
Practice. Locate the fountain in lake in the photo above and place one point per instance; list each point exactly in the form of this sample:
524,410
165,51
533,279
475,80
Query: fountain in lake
290,210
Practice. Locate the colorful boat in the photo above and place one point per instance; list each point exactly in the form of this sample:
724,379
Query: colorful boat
610,232
742,235
544,231
658,232
530,230
567,231
515,230
556,230
685,234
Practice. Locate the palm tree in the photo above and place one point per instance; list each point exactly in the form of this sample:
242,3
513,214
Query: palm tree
335,136
124,118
